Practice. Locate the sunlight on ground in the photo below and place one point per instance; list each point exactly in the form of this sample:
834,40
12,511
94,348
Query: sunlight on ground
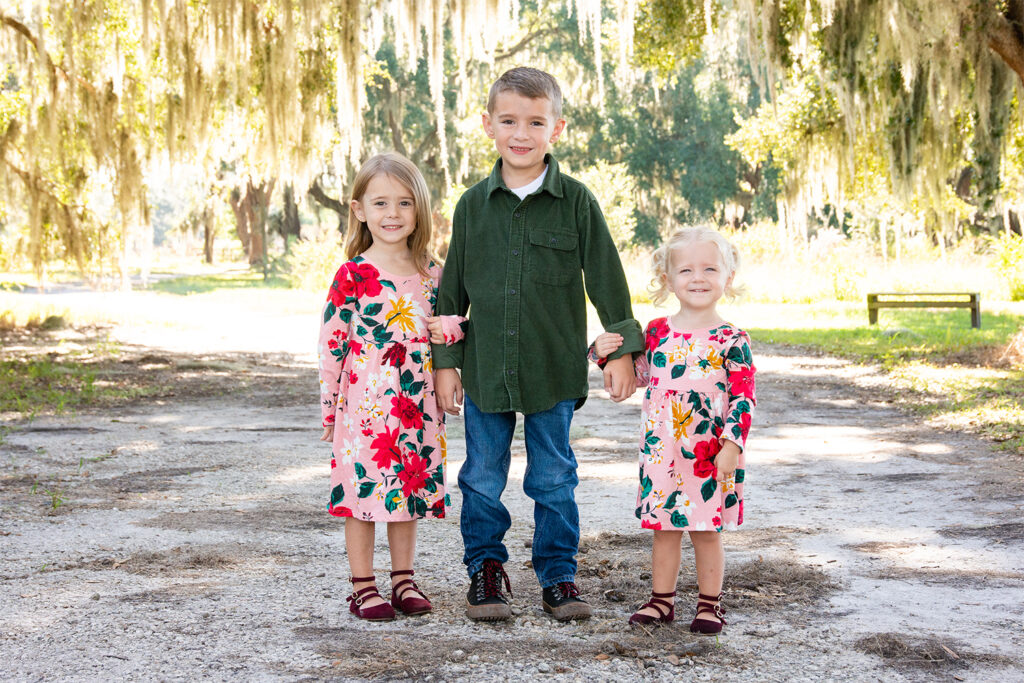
301,474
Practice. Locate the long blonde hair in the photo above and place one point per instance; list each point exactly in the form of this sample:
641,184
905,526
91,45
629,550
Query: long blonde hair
684,237
358,238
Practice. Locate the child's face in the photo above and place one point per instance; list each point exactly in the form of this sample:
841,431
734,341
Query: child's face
522,128
388,209
696,275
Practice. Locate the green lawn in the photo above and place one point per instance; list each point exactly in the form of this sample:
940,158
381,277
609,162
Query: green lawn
940,368
199,284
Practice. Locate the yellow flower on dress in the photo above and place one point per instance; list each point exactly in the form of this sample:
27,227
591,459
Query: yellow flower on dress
403,313
714,358
680,421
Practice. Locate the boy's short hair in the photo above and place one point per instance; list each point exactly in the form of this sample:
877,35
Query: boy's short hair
528,82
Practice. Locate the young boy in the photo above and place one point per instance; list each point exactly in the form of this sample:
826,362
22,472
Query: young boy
524,242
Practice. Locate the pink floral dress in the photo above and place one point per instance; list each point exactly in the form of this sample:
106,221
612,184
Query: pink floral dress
700,389
377,389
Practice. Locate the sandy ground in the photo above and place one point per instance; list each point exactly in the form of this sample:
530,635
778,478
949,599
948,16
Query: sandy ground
189,538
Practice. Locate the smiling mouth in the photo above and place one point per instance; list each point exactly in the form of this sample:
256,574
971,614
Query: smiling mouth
519,150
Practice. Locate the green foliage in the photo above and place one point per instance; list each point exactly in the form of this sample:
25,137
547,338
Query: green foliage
311,264
1008,250
670,33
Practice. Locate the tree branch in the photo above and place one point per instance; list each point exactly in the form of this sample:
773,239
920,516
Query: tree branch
1004,39
27,34
524,43
317,193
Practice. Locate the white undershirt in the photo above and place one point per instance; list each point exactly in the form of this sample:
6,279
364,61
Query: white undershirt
521,192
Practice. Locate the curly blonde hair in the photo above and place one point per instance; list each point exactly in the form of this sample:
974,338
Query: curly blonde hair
684,237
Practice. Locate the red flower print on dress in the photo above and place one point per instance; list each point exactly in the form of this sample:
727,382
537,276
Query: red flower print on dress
365,279
332,343
741,382
706,450
646,524
413,474
395,355
704,468
340,511
410,413
386,449
745,424
334,463
353,378
739,519
716,521
656,332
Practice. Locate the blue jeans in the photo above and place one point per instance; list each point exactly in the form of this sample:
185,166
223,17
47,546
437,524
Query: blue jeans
550,481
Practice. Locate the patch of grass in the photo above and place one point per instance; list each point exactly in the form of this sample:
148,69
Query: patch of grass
933,336
940,367
42,385
198,284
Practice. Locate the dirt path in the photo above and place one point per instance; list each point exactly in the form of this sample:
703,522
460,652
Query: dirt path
189,541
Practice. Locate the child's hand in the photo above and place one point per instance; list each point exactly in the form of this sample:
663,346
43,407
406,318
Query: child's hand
436,330
620,378
328,434
606,343
448,390
727,460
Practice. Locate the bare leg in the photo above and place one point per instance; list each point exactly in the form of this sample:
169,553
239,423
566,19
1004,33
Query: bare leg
665,557
709,556
402,543
359,545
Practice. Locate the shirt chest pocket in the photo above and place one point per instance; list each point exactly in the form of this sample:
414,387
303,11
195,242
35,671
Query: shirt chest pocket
552,257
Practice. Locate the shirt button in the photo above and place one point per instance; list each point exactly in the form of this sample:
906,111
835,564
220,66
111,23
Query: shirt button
517,214
511,331
511,291
553,240
511,372
515,252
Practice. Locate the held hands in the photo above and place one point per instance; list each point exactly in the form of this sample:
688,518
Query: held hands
436,330
619,377
606,343
328,434
727,460
448,389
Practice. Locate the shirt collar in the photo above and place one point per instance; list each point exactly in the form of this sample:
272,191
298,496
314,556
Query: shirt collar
552,181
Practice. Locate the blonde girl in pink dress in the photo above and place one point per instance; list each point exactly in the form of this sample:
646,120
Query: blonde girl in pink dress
699,376
376,384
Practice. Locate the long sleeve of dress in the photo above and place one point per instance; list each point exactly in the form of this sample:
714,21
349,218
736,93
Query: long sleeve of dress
739,366
454,328
641,366
333,346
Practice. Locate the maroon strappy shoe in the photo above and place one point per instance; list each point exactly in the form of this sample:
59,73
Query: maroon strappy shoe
657,602
409,605
708,604
382,612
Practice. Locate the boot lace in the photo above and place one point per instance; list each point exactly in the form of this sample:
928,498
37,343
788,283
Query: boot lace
568,589
490,587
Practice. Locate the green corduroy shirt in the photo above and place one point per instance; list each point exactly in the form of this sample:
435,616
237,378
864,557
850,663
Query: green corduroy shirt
519,269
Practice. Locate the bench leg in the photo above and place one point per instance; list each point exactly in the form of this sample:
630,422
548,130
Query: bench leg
872,316
976,317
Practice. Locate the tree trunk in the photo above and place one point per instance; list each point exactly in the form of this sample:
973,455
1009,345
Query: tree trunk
290,225
209,233
251,211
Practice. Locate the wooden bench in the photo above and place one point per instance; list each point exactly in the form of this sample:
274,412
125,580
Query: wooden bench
971,300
